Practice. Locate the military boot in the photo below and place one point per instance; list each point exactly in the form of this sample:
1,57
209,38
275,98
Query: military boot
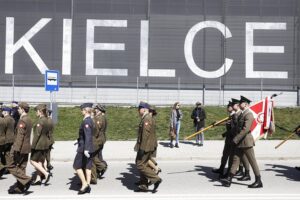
226,182
240,171
246,176
257,183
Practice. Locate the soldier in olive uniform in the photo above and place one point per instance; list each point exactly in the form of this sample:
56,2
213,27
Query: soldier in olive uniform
146,146
244,145
51,141
227,145
40,145
20,151
85,150
6,130
99,139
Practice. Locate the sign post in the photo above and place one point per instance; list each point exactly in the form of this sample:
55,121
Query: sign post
52,84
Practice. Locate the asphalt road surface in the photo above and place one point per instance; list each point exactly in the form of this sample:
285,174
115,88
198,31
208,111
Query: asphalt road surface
181,180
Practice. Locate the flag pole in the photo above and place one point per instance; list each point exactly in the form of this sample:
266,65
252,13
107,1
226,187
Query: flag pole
206,128
286,139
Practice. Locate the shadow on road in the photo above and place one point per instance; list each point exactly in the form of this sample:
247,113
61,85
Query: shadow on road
129,178
75,183
290,173
188,142
165,144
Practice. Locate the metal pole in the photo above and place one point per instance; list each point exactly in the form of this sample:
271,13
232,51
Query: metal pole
203,95
261,88
13,87
178,90
96,89
137,90
220,91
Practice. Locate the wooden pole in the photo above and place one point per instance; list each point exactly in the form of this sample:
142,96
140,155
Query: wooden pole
206,128
286,139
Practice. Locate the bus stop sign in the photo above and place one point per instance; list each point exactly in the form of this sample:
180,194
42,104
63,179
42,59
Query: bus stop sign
52,80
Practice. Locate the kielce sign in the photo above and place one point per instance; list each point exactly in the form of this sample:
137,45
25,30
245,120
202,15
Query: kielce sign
12,46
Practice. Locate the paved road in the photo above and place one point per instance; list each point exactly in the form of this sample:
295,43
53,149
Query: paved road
182,179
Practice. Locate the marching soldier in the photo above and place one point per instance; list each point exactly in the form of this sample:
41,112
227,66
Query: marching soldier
7,133
227,146
83,158
51,141
244,145
99,139
20,151
146,146
40,145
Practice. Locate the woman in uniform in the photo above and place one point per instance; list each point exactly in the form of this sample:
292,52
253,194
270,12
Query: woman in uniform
83,158
40,145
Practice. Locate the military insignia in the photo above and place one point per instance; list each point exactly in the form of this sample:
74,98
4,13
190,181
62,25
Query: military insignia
86,126
38,125
146,123
21,125
98,122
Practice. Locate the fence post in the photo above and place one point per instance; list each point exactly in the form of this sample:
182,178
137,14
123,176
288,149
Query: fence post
203,94
178,90
96,89
220,91
13,87
137,90
298,95
261,88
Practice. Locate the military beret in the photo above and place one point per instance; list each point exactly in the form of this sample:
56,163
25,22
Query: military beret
24,105
100,107
86,105
40,107
144,105
244,99
6,109
235,101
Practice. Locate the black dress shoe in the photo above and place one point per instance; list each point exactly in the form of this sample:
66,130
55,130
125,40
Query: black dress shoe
171,145
257,183
15,191
36,183
48,178
50,167
87,189
102,172
156,185
27,186
176,145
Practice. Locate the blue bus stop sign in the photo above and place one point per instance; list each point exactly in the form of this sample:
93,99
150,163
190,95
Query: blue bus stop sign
52,80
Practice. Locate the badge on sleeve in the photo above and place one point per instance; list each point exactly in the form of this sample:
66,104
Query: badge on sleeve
146,123
86,126
21,125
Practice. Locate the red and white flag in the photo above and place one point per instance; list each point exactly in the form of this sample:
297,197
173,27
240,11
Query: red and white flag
263,118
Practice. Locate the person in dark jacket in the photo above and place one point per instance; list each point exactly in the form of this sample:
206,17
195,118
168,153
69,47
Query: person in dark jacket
83,158
199,116
14,112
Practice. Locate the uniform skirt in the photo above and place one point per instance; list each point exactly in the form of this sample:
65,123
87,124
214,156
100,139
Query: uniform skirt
38,155
82,162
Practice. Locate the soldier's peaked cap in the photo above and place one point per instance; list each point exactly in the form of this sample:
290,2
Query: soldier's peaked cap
235,101
100,107
86,105
229,104
244,99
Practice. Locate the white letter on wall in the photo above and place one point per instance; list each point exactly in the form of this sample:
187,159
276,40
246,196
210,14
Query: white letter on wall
67,47
188,49
91,47
144,47
251,49
12,48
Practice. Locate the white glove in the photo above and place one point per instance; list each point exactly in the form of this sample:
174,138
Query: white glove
86,153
